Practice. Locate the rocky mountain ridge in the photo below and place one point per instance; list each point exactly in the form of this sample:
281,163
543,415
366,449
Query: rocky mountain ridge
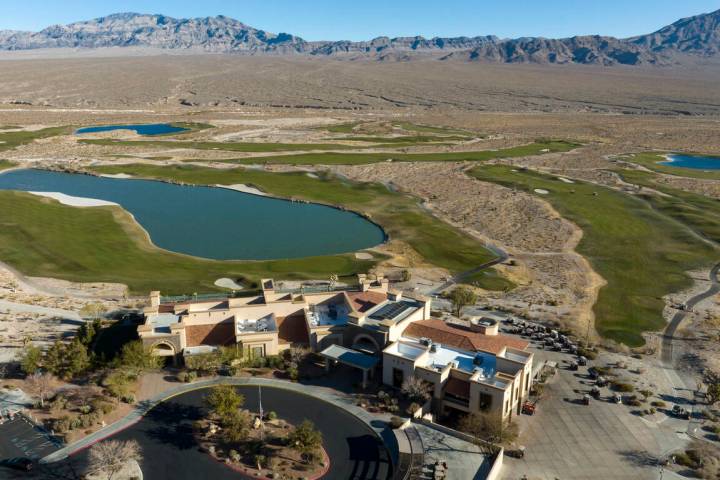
693,37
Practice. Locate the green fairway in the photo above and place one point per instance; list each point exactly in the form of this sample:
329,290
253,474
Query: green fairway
41,237
651,161
399,215
330,158
641,252
225,146
4,165
10,140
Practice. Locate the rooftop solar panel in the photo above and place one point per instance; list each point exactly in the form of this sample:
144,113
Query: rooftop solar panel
390,311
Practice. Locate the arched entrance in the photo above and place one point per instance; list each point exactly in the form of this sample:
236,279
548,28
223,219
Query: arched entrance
164,350
366,344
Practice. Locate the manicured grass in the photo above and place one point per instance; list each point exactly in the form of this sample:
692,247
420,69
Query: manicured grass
489,279
413,127
698,212
341,128
399,215
225,146
10,140
41,237
641,253
331,158
5,164
651,161
405,140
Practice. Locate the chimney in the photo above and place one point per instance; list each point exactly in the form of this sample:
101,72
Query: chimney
155,299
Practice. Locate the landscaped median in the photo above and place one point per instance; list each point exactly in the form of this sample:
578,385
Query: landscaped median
641,252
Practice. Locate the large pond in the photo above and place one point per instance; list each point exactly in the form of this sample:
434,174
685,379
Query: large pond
215,223
147,129
693,161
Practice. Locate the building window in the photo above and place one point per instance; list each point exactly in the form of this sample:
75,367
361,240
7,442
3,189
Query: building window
485,402
507,406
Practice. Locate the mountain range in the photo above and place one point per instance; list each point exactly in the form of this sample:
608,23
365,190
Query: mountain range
693,38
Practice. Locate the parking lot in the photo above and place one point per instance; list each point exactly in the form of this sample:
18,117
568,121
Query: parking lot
567,439
20,438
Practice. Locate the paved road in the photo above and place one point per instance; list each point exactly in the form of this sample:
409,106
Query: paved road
20,438
170,451
668,335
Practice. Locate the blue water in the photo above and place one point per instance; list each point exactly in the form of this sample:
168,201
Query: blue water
215,223
143,129
692,161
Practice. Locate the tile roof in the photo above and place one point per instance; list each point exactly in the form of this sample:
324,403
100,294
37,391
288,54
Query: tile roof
364,301
458,337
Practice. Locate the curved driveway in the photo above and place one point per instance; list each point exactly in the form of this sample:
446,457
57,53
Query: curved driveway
668,335
170,450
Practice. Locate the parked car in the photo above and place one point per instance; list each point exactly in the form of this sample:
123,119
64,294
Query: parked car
617,398
586,400
595,392
582,361
528,408
517,453
18,463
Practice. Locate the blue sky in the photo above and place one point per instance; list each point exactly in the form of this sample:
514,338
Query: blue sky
359,20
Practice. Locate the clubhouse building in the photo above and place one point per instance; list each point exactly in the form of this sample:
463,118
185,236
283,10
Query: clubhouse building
469,367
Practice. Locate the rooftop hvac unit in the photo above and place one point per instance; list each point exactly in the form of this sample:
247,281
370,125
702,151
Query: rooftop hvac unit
433,348
478,360
425,341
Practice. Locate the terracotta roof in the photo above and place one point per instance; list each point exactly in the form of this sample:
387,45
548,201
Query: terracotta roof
458,337
457,387
364,301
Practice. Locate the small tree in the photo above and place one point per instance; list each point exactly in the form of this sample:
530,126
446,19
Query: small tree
118,383
416,389
30,359
236,426
260,460
306,440
93,311
224,401
405,276
712,382
135,355
110,457
76,360
461,297
41,385
489,427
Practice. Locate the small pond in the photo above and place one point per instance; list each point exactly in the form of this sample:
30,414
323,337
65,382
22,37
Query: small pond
693,161
215,223
148,129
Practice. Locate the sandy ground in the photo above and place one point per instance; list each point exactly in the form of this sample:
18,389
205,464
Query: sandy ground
74,201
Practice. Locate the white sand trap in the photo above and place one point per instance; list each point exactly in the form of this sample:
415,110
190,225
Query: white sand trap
241,187
228,283
116,175
364,256
566,180
74,201
541,191
311,175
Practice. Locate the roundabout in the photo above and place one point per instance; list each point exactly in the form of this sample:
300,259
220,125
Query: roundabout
170,450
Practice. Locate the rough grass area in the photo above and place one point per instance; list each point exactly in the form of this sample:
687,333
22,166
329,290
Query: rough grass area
698,212
489,279
5,164
10,140
651,161
399,215
332,158
41,237
641,252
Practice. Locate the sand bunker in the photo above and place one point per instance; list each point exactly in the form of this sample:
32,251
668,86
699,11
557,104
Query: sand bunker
75,201
241,187
541,191
566,180
228,283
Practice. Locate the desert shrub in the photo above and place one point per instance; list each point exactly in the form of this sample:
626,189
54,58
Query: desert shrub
276,362
414,407
182,377
272,415
396,422
587,353
293,373
60,425
85,409
191,377
234,456
646,393
58,403
658,404
129,399
623,386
